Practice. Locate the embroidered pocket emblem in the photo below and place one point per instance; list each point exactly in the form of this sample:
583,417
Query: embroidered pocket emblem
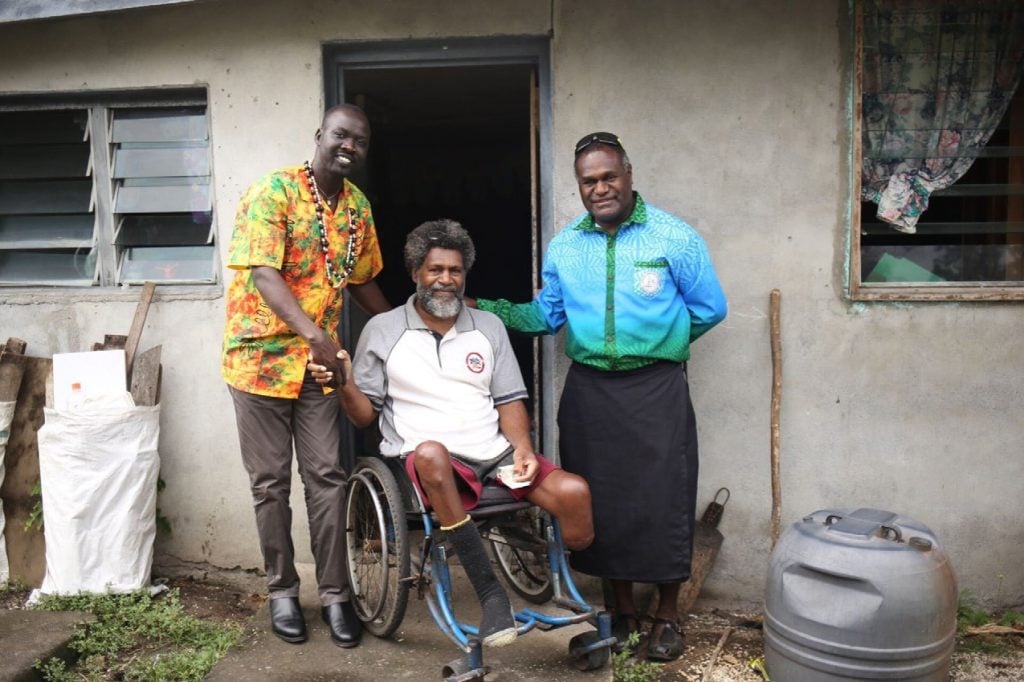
649,277
475,363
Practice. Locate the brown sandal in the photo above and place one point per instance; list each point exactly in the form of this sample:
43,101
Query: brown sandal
667,641
623,625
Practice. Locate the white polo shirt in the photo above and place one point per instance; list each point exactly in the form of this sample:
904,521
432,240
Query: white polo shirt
429,387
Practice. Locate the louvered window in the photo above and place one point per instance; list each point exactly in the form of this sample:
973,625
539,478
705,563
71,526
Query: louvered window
105,196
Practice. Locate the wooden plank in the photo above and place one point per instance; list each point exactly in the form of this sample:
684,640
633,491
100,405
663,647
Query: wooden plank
12,367
14,345
146,377
25,549
111,342
707,541
135,333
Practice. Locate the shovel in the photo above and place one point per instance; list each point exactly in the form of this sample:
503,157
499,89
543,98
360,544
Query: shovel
707,540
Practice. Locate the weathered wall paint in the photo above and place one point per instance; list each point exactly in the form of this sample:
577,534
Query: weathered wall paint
735,115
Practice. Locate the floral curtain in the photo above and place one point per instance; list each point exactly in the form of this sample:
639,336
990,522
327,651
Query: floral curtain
938,76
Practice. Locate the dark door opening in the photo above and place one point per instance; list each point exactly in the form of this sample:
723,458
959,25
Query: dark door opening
453,142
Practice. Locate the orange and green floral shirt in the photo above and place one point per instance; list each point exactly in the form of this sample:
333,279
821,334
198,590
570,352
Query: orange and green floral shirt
276,226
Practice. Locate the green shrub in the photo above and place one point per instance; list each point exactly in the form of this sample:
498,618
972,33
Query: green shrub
138,637
1012,619
968,614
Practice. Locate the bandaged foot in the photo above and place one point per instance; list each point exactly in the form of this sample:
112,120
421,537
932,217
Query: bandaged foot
498,624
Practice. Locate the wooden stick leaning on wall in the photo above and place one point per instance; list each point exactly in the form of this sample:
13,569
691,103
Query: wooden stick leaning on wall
773,318
135,333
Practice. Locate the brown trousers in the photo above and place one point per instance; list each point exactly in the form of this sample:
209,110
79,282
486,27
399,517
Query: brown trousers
267,428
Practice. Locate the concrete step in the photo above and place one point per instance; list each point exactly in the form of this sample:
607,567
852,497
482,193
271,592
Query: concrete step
27,636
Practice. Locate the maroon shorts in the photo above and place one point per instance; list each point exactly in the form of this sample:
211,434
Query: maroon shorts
467,478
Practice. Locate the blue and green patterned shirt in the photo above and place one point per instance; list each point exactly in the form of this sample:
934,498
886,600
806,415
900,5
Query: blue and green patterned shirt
641,295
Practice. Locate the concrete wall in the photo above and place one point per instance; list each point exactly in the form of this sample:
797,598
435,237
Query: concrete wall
735,116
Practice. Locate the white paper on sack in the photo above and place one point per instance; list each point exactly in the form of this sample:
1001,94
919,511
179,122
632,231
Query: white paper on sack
6,419
98,470
97,373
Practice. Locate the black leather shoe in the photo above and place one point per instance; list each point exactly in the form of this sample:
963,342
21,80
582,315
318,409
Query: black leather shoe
286,620
342,622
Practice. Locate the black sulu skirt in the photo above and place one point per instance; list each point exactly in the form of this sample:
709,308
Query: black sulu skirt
633,436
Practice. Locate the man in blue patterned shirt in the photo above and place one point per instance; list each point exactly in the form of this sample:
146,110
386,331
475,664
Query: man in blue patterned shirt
636,287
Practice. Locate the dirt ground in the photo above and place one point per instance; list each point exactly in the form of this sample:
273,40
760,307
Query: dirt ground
201,599
1000,658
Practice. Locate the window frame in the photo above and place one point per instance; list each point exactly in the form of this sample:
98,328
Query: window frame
109,252
857,290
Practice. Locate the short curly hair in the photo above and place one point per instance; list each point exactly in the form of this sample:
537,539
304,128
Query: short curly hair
441,233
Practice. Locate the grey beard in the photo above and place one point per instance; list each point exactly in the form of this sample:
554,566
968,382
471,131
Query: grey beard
441,309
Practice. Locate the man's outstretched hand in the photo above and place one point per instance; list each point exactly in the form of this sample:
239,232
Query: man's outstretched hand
325,375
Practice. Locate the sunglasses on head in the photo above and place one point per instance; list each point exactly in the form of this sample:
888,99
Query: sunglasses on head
597,138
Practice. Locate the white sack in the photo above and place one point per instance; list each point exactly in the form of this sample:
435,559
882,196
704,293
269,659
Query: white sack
98,470
6,419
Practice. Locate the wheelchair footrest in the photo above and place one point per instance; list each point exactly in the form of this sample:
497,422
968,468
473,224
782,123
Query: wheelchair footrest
574,606
594,645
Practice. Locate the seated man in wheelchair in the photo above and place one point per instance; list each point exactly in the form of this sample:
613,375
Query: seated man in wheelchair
448,392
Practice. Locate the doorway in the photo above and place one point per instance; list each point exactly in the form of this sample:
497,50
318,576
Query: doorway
456,133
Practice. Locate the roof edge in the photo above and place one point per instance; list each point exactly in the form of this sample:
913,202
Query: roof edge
38,10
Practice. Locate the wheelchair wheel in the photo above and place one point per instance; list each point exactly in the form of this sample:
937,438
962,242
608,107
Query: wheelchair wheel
378,547
521,553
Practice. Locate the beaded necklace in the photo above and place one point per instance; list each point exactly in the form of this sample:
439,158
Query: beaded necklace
348,263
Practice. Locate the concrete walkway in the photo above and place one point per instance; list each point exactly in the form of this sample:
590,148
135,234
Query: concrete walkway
27,636
417,651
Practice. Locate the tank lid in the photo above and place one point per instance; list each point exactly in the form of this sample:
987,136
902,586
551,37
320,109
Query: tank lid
866,525
862,522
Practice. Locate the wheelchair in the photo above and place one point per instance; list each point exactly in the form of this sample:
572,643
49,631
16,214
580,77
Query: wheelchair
383,509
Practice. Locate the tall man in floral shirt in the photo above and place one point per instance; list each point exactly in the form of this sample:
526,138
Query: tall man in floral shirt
302,235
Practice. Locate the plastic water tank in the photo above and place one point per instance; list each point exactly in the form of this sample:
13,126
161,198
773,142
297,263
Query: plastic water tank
859,594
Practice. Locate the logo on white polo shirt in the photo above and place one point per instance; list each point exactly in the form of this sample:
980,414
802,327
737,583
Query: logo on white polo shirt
475,362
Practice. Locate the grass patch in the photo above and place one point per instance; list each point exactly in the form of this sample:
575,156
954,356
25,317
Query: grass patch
970,615
12,585
627,669
1012,619
138,637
